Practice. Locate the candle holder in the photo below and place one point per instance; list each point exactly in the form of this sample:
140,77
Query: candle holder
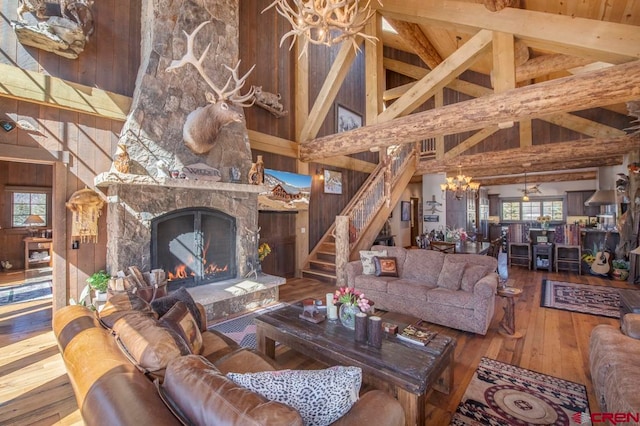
375,332
361,327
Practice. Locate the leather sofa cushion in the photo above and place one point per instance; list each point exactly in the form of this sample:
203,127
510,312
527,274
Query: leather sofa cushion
163,304
180,320
196,390
244,361
146,343
122,304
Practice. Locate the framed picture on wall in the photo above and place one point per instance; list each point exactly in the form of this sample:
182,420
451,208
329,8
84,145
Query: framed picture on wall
332,182
405,211
347,119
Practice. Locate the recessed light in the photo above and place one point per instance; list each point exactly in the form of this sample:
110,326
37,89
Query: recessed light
7,126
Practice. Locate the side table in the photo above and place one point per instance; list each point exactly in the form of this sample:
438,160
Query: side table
508,323
543,256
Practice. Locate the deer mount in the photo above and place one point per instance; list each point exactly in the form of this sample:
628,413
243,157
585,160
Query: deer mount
65,35
269,101
203,125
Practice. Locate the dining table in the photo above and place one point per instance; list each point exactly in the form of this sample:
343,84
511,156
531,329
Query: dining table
472,247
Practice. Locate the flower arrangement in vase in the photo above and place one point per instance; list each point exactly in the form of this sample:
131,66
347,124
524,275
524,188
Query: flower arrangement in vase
263,251
351,302
544,221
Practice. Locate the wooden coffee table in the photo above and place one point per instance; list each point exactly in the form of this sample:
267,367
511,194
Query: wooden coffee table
405,370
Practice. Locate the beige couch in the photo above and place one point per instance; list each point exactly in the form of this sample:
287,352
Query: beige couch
454,290
614,358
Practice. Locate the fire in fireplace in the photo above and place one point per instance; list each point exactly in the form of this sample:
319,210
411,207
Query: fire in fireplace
195,246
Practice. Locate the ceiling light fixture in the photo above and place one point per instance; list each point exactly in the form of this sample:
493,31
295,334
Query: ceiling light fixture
460,185
525,197
325,22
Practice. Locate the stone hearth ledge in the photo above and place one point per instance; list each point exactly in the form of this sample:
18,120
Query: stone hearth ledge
224,298
107,179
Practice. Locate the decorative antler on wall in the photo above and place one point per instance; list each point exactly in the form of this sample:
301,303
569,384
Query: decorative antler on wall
325,22
203,125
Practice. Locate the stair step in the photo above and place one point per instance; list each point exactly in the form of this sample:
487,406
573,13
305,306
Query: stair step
327,257
319,275
323,263
321,251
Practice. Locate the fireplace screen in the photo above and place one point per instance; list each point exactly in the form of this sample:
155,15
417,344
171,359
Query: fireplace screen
194,246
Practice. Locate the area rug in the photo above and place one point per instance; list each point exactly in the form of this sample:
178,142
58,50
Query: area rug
583,298
503,394
242,329
25,292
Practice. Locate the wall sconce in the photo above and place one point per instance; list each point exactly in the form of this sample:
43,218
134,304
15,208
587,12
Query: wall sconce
320,173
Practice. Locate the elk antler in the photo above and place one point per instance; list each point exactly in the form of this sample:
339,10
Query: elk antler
221,94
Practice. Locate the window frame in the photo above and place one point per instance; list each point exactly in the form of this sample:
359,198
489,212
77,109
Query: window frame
12,190
539,200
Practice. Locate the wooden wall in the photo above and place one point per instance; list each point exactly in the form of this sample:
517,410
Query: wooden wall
110,62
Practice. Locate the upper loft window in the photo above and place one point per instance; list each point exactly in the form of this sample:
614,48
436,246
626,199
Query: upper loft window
529,211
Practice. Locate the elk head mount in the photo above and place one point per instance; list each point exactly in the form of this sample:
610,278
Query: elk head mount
204,124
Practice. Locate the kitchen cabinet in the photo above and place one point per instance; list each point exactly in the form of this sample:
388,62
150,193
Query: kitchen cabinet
575,204
494,204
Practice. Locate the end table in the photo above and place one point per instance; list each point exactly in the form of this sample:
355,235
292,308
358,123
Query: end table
508,323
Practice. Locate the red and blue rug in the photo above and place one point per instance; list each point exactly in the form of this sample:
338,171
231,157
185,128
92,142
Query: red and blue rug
502,394
582,298
242,329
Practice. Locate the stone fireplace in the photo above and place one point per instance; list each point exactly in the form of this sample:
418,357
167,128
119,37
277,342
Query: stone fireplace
158,221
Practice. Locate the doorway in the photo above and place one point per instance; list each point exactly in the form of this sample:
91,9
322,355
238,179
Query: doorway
415,219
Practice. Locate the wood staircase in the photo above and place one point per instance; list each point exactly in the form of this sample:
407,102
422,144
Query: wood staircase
365,214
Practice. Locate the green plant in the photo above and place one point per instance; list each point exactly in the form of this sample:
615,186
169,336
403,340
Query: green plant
99,281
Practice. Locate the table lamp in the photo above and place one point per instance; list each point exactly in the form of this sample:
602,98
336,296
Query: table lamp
32,221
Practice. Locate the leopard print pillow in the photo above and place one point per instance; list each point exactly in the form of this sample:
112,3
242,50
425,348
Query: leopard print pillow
320,396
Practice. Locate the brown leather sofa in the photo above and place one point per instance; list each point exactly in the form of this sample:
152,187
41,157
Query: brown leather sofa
110,390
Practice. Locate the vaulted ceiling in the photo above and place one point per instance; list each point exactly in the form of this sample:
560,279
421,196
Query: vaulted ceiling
544,59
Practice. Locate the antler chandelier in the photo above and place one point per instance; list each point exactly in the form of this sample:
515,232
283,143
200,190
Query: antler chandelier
325,22
460,185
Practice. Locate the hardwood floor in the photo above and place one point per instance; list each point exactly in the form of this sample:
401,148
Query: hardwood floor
34,389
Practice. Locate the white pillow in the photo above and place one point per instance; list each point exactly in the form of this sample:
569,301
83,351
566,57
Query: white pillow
320,396
366,257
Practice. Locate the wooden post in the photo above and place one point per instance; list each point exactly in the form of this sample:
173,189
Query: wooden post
342,249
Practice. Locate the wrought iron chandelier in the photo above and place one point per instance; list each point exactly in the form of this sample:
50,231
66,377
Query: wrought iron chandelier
325,22
460,185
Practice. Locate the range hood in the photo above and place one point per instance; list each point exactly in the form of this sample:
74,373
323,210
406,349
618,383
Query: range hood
606,193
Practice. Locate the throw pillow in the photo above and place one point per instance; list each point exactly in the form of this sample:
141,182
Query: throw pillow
196,390
180,320
472,274
147,344
385,266
163,304
366,257
122,304
320,396
451,273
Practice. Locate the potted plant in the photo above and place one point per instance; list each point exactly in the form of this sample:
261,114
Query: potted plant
620,269
99,282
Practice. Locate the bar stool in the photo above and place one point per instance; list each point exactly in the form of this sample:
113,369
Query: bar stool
520,252
568,255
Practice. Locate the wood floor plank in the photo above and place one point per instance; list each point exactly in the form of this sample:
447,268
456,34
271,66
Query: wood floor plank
34,388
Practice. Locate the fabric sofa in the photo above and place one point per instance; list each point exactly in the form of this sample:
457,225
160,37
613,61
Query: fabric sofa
614,360
454,290
111,388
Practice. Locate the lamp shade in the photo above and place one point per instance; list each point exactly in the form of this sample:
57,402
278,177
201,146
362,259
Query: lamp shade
33,220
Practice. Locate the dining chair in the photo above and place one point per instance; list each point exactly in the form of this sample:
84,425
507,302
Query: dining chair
442,246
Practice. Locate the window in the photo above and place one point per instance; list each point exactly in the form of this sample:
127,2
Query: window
26,203
529,211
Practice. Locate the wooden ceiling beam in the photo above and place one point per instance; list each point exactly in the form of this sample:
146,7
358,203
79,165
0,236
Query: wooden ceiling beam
551,152
543,178
414,37
598,40
439,77
620,83
478,171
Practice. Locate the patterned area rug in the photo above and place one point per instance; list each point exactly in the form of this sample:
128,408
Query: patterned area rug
25,292
583,298
503,394
242,329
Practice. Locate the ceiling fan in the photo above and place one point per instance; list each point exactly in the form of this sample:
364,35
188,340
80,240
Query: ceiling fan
526,191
